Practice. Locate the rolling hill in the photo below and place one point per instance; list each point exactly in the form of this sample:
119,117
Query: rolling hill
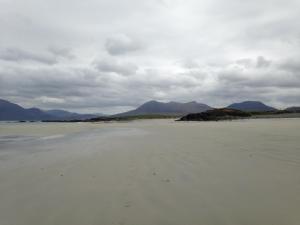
169,108
293,109
11,111
251,106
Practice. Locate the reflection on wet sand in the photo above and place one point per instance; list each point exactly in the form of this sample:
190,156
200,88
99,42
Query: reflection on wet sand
151,172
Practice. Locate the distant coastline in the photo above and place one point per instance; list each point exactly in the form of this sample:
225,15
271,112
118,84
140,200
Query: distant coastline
232,114
189,111
209,116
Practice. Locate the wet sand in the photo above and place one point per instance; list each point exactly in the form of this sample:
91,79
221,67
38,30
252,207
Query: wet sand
152,172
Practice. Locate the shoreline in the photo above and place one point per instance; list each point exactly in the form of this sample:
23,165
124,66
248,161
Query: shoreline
157,117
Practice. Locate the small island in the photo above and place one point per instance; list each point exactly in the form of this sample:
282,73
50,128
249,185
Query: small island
216,115
233,114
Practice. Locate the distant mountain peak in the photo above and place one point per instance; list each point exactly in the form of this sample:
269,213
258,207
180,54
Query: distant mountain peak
151,101
168,108
12,111
4,101
251,106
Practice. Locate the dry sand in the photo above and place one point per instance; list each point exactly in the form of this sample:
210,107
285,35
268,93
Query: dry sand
154,172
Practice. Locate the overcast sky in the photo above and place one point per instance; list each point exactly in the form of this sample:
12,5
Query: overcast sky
112,55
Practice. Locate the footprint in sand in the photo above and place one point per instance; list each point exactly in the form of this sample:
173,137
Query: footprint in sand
127,204
166,180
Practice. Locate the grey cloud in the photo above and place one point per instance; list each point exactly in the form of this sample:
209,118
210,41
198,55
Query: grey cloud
112,65
61,52
88,88
190,64
17,55
292,99
291,65
72,88
121,44
259,62
131,51
247,62
255,77
262,62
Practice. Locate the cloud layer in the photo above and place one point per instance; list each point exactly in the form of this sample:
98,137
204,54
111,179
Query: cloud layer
110,56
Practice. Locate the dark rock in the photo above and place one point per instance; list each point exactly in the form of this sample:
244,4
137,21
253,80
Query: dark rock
215,115
294,109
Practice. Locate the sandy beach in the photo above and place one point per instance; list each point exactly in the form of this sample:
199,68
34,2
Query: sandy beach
151,172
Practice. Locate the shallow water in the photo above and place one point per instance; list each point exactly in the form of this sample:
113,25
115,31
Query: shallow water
150,172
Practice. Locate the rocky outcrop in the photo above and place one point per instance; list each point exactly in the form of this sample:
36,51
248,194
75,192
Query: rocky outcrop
294,109
216,114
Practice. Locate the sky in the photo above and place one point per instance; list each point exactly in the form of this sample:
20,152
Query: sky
109,56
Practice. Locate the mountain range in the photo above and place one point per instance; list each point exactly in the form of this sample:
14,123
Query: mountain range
12,111
169,108
251,106
176,108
